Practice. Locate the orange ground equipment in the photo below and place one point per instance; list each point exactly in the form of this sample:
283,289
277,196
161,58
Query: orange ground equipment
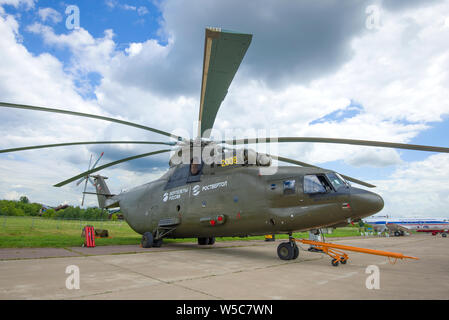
335,251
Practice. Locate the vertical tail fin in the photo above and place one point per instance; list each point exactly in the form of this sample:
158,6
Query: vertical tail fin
102,190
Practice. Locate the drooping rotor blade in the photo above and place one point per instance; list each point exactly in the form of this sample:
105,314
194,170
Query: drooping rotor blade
87,115
85,143
340,141
223,52
60,184
303,164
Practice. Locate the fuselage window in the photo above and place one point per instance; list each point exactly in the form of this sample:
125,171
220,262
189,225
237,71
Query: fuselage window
313,185
289,186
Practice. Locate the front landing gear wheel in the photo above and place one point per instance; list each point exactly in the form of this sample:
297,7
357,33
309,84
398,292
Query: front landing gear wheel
147,240
286,251
295,252
335,262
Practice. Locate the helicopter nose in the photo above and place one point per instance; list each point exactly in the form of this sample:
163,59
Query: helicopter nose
365,203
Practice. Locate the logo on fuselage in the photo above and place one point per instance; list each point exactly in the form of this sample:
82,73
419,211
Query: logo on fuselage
175,194
196,190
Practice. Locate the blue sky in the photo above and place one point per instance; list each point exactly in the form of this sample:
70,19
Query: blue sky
311,70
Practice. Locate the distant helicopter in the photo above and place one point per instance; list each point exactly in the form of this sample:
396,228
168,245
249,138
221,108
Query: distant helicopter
213,189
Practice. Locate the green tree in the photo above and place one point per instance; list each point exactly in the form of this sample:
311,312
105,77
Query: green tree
24,199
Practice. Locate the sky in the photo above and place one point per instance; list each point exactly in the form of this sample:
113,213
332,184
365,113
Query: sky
372,70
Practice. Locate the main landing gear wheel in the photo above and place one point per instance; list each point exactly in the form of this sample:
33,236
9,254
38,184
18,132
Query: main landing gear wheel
444,235
157,243
206,241
147,240
335,262
288,251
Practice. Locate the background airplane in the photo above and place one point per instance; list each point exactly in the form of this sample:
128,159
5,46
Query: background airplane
400,225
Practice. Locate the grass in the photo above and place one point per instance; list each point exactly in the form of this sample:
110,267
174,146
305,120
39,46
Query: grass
36,232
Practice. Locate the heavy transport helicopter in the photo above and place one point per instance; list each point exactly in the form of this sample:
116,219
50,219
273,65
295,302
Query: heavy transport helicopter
229,192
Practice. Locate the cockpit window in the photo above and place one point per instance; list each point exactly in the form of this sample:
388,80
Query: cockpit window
313,185
343,179
336,180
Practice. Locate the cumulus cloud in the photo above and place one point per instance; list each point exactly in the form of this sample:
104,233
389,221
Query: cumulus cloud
49,14
418,188
27,4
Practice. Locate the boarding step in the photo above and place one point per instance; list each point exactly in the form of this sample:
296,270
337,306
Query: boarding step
169,222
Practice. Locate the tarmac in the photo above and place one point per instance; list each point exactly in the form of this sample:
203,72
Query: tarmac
230,270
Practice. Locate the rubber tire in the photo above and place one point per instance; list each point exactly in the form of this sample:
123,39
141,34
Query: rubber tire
444,235
285,251
295,252
343,261
211,240
334,262
396,234
203,241
147,240
157,243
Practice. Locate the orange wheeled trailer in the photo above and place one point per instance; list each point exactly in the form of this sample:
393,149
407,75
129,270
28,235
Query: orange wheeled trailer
335,251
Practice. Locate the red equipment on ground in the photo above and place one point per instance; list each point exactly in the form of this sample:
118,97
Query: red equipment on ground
89,233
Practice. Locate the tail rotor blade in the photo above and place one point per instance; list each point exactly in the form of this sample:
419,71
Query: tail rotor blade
82,202
96,162
84,192
92,182
81,180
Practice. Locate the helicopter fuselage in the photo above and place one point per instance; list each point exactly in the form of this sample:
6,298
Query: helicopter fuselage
241,201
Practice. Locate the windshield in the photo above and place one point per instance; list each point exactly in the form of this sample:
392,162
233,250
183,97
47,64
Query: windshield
336,180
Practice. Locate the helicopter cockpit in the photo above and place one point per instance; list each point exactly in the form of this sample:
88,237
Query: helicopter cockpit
324,183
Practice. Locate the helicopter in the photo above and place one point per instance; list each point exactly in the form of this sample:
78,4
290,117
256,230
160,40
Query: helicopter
214,189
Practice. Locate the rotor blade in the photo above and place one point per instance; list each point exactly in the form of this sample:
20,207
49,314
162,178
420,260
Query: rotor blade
223,52
303,164
60,184
340,141
87,115
84,142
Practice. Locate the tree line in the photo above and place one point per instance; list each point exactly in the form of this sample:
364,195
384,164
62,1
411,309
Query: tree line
23,207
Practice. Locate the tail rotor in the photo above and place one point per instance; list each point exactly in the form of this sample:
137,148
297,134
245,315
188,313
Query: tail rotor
87,177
